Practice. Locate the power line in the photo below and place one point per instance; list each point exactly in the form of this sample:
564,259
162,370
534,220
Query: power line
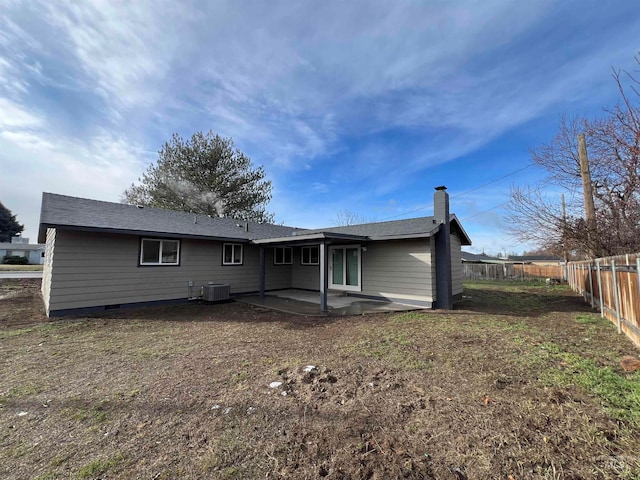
461,194
485,211
493,181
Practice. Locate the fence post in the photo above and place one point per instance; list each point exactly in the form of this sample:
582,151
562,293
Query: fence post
615,294
582,285
570,275
638,273
591,286
600,289
569,267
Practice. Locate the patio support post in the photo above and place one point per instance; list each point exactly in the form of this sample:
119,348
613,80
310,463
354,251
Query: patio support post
262,273
324,275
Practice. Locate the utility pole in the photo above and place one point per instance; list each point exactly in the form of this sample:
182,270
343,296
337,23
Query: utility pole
587,190
564,230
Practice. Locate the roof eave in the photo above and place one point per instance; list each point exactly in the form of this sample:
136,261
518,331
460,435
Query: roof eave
313,236
407,236
45,226
465,240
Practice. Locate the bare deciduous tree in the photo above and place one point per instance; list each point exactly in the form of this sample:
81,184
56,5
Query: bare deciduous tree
348,217
613,142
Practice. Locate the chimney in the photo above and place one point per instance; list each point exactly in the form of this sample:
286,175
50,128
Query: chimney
441,205
442,238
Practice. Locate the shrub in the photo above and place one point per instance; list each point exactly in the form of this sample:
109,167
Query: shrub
15,260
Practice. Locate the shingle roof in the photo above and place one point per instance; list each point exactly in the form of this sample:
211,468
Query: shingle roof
411,226
82,213
85,214
534,258
421,227
481,257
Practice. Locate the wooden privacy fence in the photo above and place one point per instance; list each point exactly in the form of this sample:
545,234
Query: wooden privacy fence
612,285
511,271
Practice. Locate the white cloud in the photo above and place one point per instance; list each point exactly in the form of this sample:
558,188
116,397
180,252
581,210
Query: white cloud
14,115
126,49
318,92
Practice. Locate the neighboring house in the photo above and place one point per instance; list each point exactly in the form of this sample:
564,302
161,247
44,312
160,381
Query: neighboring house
102,255
20,247
537,259
468,257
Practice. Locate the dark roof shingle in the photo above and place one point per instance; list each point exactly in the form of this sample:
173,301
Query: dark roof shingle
86,214
82,213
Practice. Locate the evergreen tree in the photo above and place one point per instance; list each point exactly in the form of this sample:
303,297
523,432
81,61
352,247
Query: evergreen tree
9,226
207,175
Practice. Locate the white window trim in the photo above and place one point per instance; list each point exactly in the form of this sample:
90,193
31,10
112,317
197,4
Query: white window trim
284,261
159,262
302,262
233,251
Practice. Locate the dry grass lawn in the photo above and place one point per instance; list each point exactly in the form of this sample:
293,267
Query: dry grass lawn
520,382
20,268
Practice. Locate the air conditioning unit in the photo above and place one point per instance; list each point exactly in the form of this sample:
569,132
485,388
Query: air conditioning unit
216,292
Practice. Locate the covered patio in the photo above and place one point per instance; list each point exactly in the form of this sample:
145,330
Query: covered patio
301,302
325,243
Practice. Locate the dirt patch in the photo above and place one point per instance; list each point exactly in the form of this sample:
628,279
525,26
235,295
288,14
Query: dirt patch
20,302
498,389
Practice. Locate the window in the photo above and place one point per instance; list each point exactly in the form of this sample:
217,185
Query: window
232,254
282,256
159,252
309,256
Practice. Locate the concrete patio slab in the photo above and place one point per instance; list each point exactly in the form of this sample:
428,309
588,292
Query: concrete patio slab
301,302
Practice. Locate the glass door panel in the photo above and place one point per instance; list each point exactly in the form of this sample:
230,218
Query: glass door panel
337,262
353,267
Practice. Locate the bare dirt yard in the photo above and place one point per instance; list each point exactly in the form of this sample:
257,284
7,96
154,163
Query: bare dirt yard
519,382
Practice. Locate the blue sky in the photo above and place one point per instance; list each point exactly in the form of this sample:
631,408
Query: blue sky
363,106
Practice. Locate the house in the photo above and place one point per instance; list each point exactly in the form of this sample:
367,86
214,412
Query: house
543,260
480,258
20,247
102,255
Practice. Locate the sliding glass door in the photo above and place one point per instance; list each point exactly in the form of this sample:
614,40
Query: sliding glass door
344,268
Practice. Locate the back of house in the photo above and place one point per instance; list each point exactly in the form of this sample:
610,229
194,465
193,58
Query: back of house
102,255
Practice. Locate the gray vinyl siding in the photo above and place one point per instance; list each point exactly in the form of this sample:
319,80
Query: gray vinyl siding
47,269
93,269
456,264
304,276
398,269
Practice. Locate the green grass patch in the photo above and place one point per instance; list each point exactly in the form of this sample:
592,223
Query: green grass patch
93,414
619,393
587,318
96,468
4,334
47,476
23,391
15,332
395,347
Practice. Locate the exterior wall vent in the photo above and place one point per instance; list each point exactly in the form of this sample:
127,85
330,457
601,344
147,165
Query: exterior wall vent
216,292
